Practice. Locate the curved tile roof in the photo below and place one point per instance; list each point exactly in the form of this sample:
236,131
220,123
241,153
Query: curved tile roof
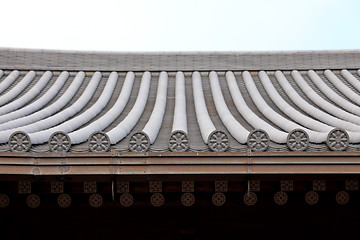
298,108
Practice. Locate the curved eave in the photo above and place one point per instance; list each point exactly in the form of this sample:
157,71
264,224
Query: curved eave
200,110
236,114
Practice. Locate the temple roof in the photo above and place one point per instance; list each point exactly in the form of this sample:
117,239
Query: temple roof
193,102
11,58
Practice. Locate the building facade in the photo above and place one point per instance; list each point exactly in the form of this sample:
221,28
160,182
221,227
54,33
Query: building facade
263,140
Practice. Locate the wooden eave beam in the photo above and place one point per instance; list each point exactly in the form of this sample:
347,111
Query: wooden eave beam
116,163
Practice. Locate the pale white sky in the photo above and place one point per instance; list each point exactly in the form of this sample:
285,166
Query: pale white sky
186,25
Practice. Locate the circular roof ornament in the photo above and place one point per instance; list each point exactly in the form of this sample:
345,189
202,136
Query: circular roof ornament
250,198
59,142
178,141
99,142
258,140
297,140
4,200
337,139
218,199
157,199
342,197
95,200
126,199
19,141
33,201
188,199
218,141
64,200
312,197
139,142
280,198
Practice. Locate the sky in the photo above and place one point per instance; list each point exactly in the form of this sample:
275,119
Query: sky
186,25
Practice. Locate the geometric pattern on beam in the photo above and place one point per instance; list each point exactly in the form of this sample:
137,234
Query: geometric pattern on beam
157,199
254,186
155,186
123,187
188,199
311,197
221,186
286,185
250,198
187,186
126,199
218,199
57,187
4,200
95,200
280,198
64,200
319,185
33,201
342,197
351,185
90,187
24,187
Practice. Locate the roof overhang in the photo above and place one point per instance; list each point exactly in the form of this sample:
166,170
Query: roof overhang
189,163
